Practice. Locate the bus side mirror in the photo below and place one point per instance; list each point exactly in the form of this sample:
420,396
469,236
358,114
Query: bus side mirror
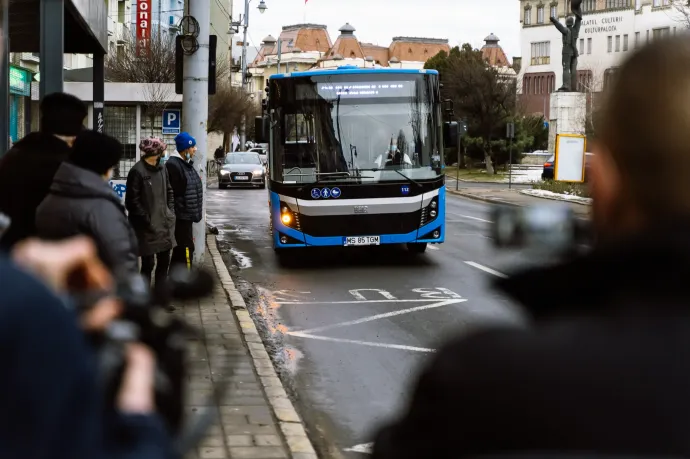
261,129
451,134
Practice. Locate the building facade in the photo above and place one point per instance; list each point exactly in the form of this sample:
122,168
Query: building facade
610,31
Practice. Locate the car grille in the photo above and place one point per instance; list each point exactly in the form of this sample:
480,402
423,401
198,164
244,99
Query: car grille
359,225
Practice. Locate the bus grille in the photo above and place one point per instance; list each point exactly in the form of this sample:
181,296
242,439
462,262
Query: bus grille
359,225
425,216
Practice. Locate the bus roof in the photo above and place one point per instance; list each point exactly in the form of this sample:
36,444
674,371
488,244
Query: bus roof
349,70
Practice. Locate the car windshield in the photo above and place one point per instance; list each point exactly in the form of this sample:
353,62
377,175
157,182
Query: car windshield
243,158
370,131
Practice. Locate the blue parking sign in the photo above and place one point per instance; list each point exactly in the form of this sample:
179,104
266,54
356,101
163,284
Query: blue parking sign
171,122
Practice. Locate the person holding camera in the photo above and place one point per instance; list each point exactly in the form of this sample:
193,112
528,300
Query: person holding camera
81,201
604,367
51,400
151,207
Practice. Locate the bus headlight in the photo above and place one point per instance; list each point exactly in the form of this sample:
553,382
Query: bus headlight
433,214
286,219
434,204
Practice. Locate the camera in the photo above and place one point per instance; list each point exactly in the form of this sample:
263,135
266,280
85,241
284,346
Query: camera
146,319
551,228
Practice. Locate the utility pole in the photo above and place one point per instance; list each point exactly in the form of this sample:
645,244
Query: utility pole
195,107
510,133
160,15
243,134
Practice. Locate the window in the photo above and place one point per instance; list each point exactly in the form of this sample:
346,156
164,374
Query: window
528,16
625,42
589,46
582,46
618,4
658,3
637,39
610,44
661,33
554,11
540,15
648,36
589,6
541,53
618,43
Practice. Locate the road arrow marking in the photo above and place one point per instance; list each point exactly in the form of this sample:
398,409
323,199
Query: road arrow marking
366,448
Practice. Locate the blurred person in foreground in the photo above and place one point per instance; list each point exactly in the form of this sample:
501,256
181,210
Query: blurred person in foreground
605,366
82,202
51,402
151,208
28,168
189,197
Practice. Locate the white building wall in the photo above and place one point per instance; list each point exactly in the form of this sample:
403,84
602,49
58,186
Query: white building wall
597,26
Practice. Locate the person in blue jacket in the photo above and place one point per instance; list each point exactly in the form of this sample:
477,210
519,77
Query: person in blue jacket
50,400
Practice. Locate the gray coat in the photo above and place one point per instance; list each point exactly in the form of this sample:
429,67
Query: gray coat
81,202
151,207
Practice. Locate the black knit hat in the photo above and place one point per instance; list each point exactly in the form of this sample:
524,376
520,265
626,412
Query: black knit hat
96,152
62,114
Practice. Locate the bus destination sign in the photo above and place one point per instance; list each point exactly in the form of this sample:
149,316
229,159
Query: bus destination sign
366,90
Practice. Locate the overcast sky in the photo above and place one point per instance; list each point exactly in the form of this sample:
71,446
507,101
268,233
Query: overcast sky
378,21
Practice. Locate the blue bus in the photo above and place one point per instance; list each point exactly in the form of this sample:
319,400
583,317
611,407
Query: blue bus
356,158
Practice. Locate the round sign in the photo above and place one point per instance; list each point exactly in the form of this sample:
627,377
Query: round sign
315,193
325,193
335,193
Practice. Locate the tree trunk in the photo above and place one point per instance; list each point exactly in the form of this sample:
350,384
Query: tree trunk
487,159
225,141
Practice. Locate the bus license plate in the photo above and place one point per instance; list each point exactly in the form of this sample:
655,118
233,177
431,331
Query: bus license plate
362,240
242,177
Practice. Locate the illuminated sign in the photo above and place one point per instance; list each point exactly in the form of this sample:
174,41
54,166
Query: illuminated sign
366,90
143,27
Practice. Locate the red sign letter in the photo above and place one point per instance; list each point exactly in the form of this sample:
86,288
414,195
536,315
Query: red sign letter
143,27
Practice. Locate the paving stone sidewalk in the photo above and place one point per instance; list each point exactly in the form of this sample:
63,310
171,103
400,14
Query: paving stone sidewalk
248,425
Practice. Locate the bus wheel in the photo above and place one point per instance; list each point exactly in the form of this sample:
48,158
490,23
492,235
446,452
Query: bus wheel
419,247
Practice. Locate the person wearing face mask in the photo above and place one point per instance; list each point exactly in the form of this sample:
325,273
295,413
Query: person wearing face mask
81,202
151,208
189,197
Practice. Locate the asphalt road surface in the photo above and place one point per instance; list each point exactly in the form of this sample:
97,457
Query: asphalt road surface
350,328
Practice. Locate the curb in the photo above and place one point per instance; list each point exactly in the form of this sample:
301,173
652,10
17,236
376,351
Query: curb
557,199
483,199
290,423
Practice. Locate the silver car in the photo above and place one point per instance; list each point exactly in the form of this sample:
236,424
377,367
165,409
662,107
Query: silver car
242,169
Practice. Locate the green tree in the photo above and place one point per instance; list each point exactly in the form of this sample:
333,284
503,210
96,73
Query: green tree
482,96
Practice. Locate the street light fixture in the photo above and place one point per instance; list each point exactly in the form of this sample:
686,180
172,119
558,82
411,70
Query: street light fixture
262,7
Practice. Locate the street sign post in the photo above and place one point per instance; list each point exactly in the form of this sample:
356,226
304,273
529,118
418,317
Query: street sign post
510,134
171,121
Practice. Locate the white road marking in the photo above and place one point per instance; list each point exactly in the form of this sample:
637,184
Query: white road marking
353,302
475,218
363,343
361,297
366,448
381,316
485,269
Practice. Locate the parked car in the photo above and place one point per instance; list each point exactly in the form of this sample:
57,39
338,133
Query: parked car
549,167
242,169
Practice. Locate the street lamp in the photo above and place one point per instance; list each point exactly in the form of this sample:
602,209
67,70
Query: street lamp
262,7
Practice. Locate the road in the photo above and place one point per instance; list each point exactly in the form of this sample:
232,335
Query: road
350,329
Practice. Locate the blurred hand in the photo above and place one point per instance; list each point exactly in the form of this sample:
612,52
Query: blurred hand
136,394
71,266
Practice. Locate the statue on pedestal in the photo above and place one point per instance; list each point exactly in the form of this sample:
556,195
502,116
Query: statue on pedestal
571,33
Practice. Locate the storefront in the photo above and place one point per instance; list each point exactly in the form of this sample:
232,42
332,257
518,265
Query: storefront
20,102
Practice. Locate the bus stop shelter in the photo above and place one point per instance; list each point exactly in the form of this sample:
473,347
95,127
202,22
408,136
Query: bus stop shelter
53,28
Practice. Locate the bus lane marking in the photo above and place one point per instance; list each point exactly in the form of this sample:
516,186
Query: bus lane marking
486,270
362,343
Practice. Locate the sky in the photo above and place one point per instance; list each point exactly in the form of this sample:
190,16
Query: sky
378,21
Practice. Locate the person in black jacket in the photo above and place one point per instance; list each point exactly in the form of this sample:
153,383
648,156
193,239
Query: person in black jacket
81,201
151,208
28,168
189,197
604,368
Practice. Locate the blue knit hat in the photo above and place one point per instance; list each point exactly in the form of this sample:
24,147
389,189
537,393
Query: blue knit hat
184,141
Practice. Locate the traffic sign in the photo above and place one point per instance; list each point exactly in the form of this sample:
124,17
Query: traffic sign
335,193
171,121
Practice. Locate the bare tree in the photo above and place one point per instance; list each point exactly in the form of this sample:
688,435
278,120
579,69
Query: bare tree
226,108
682,12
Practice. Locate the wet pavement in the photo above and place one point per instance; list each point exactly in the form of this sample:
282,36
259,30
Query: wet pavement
350,328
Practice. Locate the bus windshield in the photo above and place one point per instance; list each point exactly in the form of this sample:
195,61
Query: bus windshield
364,127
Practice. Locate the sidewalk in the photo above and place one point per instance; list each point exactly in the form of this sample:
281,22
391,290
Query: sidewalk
515,198
255,418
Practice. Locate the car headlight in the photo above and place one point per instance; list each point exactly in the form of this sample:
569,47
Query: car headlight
258,172
224,172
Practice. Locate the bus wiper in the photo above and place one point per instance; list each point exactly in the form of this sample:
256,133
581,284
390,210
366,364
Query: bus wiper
399,173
